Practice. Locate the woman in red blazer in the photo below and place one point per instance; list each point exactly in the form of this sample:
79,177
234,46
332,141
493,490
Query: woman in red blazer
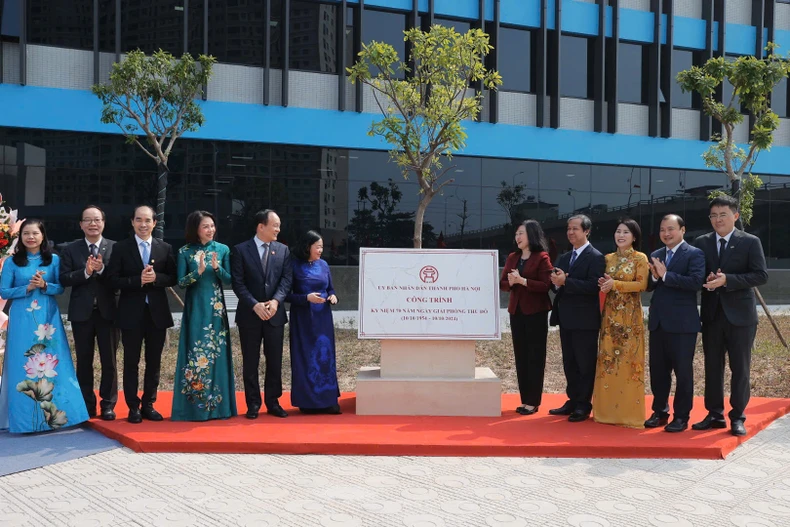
526,278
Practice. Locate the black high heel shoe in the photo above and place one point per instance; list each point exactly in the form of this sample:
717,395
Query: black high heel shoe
526,411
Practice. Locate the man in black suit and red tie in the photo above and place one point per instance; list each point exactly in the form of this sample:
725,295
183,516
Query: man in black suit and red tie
734,265
677,272
577,311
142,267
261,275
92,306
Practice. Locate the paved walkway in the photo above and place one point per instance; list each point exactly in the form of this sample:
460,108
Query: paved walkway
120,488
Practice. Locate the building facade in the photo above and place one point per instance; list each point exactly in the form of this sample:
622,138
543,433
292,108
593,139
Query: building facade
589,118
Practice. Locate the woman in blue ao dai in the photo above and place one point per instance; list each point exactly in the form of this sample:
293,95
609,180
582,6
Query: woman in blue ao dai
39,391
314,387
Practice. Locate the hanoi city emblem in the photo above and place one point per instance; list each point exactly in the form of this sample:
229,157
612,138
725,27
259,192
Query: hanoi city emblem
429,274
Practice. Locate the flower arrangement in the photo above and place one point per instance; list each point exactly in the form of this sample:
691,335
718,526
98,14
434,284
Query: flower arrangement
9,231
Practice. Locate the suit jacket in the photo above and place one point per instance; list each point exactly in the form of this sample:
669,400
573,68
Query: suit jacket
124,273
535,297
84,291
673,305
744,265
251,286
577,303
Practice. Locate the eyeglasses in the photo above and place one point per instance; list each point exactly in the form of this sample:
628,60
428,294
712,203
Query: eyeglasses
92,221
719,216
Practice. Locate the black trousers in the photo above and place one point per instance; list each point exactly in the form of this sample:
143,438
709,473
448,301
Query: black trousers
721,339
529,334
579,357
133,339
250,338
672,352
88,333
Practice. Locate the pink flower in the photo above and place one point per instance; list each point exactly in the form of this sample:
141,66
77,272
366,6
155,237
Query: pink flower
34,306
41,365
45,331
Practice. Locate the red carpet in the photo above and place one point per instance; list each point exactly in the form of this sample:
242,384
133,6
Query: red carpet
540,435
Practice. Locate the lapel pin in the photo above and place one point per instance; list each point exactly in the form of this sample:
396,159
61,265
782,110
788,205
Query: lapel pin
273,253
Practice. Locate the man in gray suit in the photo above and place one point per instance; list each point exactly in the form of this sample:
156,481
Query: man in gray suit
735,265
261,275
92,309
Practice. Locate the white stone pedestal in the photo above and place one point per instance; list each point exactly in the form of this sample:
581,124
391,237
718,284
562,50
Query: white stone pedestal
428,377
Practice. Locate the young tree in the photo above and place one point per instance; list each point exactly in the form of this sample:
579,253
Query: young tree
152,100
423,106
753,80
510,196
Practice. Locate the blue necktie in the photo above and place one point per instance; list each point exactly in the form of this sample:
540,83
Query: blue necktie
573,258
146,254
668,258
265,258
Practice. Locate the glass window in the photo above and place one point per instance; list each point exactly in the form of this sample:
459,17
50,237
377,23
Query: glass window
235,31
681,60
515,59
574,61
63,23
313,37
107,26
630,73
10,14
195,29
150,25
385,26
276,48
461,26
779,98
348,35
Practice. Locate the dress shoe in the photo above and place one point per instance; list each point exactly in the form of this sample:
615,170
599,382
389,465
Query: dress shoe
108,414
656,420
334,410
737,428
578,417
277,411
149,413
565,409
135,417
677,425
252,412
708,423
523,410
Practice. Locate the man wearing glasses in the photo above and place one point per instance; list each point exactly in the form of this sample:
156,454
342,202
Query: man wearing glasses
92,310
734,265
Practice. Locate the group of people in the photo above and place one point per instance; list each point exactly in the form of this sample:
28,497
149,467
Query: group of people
598,309
119,291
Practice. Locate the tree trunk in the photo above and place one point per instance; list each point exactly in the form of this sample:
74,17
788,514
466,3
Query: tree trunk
161,194
419,217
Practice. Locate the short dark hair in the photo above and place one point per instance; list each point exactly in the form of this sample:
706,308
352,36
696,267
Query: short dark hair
149,207
262,217
681,221
302,249
586,221
535,236
86,207
724,201
20,253
193,225
632,226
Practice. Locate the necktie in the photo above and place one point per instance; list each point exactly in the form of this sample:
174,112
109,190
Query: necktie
573,258
146,254
722,246
668,258
94,250
265,257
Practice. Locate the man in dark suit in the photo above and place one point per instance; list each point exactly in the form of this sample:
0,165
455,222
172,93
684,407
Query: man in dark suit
92,310
261,276
142,267
578,313
677,272
735,265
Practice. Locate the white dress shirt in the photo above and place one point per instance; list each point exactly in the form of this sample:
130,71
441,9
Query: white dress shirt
98,245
